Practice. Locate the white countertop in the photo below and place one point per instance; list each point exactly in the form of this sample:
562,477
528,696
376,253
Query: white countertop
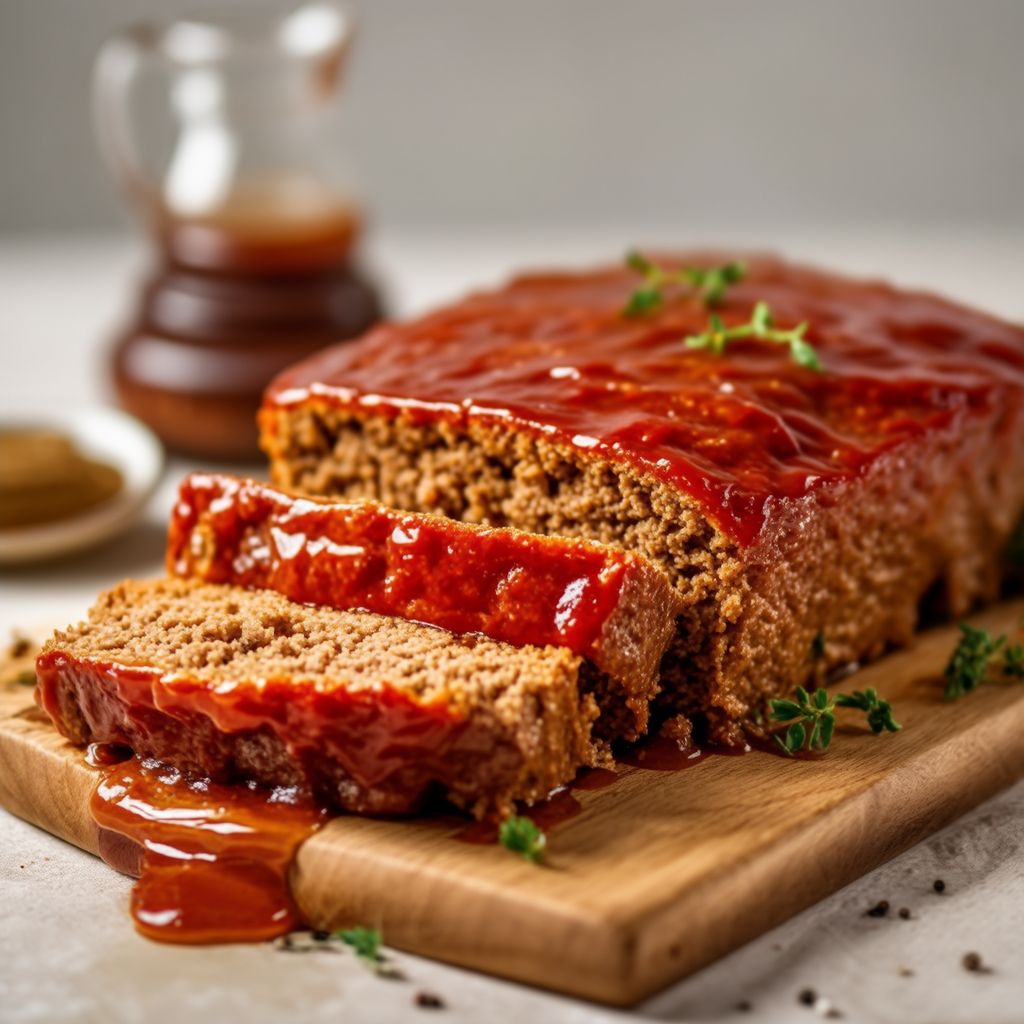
67,948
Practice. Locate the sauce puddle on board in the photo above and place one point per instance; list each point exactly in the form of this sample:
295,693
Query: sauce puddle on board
560,806
212,860
664,754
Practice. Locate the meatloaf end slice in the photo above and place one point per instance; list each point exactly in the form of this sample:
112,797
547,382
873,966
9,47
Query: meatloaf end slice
368,712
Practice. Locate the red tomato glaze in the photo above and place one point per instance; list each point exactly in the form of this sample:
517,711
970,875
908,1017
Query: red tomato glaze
509,586
554,356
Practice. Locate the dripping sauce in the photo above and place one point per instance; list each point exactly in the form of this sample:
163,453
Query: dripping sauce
212,860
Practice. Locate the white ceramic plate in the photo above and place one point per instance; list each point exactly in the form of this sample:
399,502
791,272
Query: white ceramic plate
109,436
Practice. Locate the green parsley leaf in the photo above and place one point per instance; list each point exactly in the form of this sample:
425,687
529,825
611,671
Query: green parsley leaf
710,283
761,328
522,836
879,711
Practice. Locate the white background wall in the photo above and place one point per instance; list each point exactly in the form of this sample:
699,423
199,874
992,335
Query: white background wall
696,112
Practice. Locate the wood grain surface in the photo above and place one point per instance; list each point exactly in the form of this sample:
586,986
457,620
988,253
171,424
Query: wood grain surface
661,872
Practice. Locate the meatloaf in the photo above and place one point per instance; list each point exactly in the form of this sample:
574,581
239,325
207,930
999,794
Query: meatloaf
368,712
611,607
805,516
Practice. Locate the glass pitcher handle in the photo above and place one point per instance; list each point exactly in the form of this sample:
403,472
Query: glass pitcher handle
115,74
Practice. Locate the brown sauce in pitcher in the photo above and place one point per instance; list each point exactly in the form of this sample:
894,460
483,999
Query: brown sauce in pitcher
238,293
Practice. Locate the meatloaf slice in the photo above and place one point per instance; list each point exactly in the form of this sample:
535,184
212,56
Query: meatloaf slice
805,517
611,607
371,713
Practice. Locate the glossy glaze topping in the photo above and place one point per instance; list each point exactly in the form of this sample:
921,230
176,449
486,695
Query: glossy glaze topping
380,736
510,586
553,355
212,861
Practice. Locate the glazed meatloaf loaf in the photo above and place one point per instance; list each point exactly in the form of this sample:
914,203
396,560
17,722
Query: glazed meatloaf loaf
608,606
805,516
368,712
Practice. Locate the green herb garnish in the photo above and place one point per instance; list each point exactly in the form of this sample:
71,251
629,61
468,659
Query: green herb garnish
522,836
970,664
879,711
812,717
1013,661
710,282
365,942
760,327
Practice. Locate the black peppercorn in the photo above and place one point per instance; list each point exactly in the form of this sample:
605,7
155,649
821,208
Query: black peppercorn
429,1001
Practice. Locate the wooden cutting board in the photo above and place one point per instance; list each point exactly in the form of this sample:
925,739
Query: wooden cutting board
661,873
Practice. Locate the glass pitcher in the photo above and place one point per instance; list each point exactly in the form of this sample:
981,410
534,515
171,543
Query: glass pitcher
221,131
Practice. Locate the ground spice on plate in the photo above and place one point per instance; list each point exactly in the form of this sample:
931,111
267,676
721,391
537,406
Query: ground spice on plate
44,478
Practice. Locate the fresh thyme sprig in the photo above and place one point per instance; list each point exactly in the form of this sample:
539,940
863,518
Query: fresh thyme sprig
760,327
970,664
879,711
710,282
812,717
522,836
